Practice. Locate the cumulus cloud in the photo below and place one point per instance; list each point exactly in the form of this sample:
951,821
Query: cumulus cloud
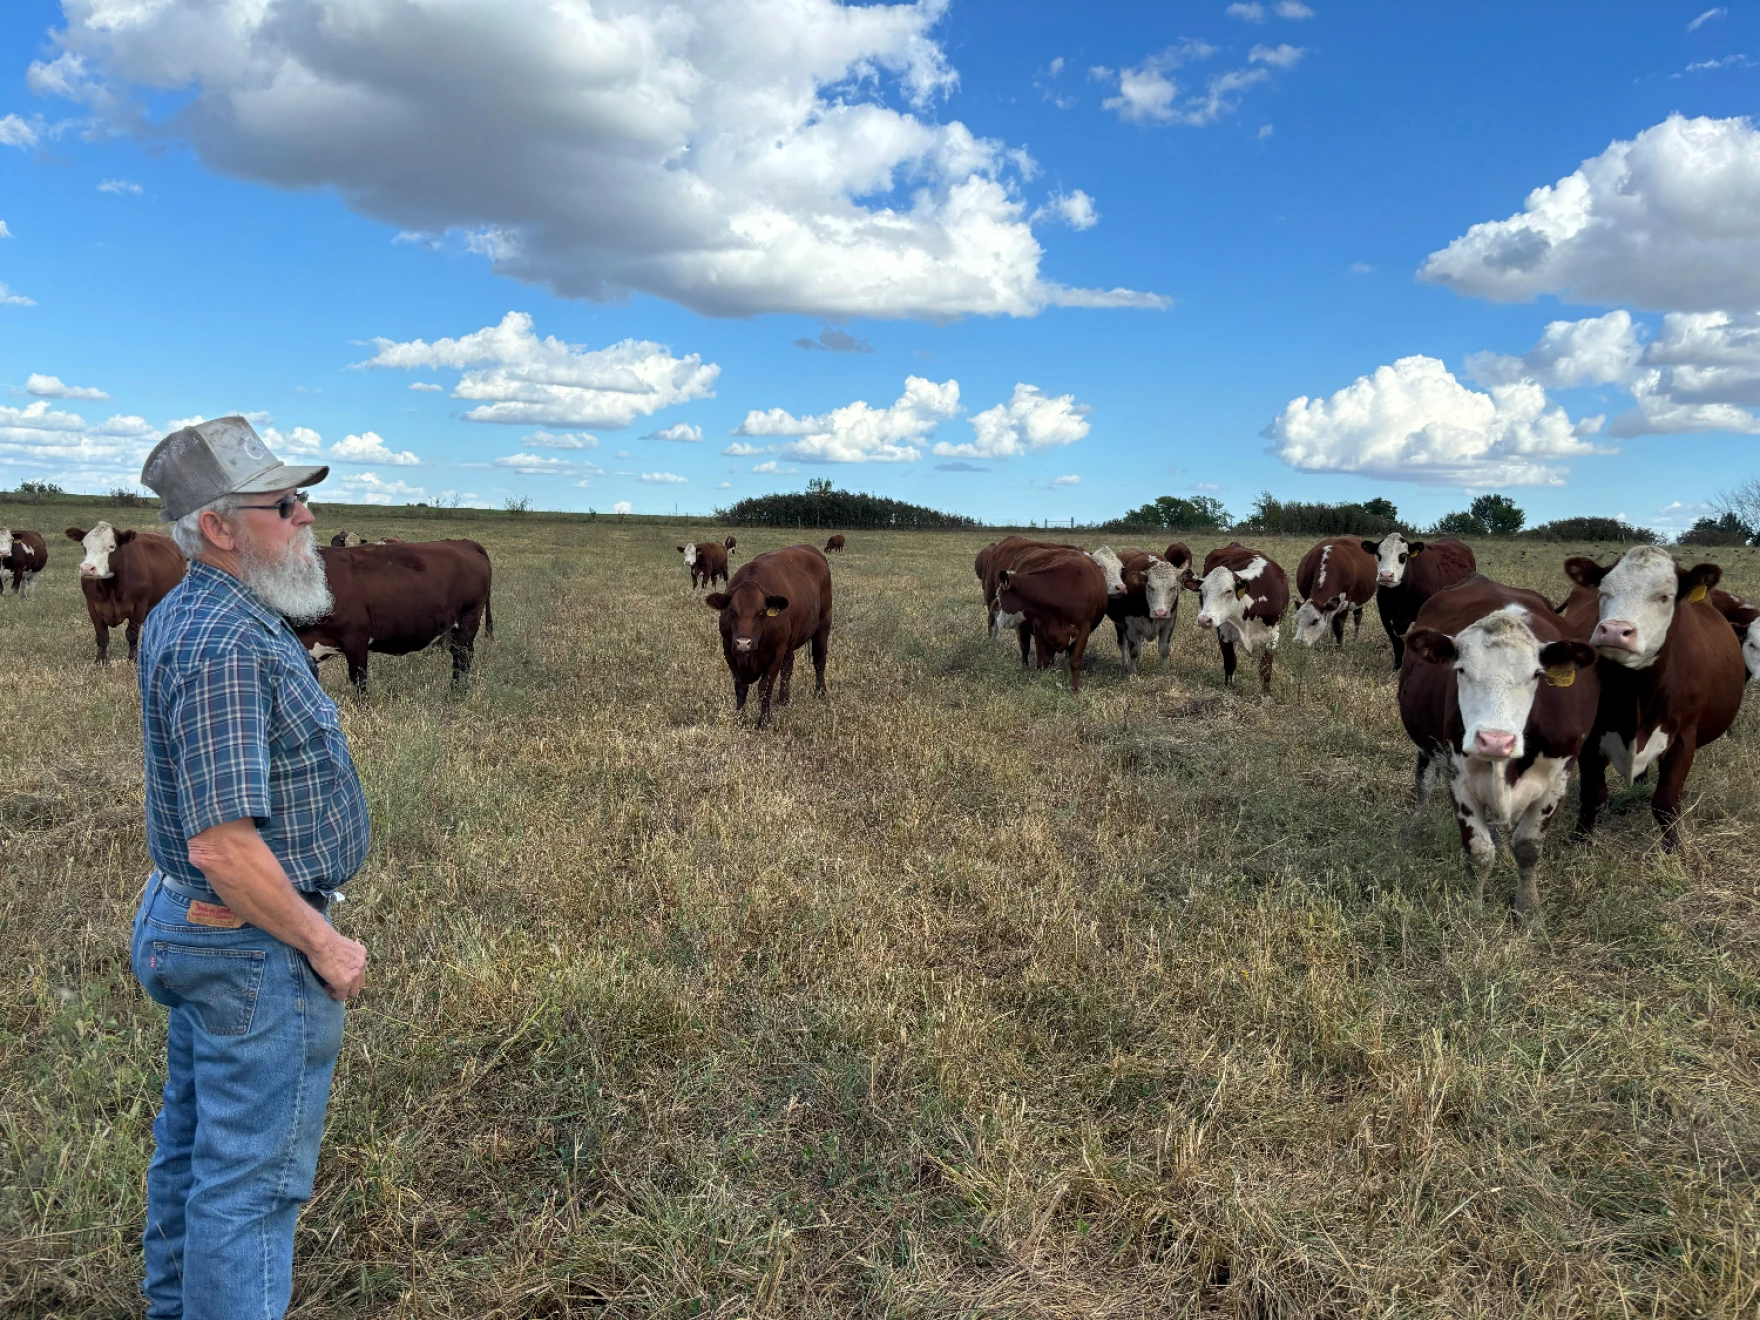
622,506
1149,94
739,449
773,468
1075,209
370,488
427,387
859,433
1247,12
10,299
1070,480
833,340
65,445
4,231
534,465
119,186
1029,422
16,132
1700,373
682,432
1281,56
515,377
50,387
1413,421
662,478
1669,220
302,441
1597,351
1293,9
369,448
541,439
680,148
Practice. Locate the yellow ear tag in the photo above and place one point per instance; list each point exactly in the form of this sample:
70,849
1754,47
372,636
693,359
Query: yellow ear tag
772,613
1561,675
1697,593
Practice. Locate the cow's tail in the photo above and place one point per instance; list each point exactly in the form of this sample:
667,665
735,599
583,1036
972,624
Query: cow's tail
489,616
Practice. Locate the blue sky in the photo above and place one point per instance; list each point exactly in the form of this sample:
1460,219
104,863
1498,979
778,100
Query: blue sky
1091,253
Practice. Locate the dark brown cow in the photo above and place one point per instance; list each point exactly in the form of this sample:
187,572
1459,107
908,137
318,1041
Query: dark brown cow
1059,594
1745,619
124,575
706,561
346,540
1334,579
1671,676
1408,573
1180,556
1493,682
775,604
395,599
835,543
1243,594
24,554
1149,606
989,566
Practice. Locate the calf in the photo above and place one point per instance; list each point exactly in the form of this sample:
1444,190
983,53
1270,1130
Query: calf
24,554
835,543
774,604
1243,595
1059,594
1492,680
706,561
1147,609
395,599
124,575
1334,579
1407,574
1745,619
1671,676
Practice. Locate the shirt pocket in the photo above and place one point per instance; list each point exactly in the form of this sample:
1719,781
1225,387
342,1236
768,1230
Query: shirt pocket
219,984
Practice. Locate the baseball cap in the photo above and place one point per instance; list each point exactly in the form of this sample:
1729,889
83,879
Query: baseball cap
200,463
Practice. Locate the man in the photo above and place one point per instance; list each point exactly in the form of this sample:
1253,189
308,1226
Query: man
255,818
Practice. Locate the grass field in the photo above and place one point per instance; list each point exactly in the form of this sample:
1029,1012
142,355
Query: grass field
953,995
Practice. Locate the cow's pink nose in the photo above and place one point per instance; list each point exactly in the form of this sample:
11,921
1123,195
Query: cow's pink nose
86,570
1616,634
1494,743
1159,614
742,643
1385,579
1205,621
1115,591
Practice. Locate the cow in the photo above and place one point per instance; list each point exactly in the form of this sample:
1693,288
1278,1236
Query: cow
1334,579
1112,566
1493,681
1671,677
1059,594
395,599
1745,619
124,575
24,554
776,603
346,540
1408,573
1243,595
1147,609
989,565
835,543
706,561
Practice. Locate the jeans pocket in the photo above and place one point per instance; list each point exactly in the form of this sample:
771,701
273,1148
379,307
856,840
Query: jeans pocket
220,984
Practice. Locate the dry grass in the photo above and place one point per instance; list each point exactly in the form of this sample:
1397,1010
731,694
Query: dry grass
952,996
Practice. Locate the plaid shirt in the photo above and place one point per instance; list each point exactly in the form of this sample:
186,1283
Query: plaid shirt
235,724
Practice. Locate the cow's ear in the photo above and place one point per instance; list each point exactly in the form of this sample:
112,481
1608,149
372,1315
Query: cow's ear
1414,548
1004,578
1584,572
1428,644
774,605
1561,660
1371,547
76,534
681,549
716,600
123,538
1191,583
1697,581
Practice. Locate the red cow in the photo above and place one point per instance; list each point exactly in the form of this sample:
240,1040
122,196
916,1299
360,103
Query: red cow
1407,574
775,604
835,543
1243,595
1334,579
989,566
124,575
24,554
1059,595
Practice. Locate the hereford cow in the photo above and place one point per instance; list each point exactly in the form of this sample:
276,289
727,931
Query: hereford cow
124,575
1408,573
1334,579
989,566
1243,595
1493,681
1059,594
24,554
1147,609
706,561
395,599
835,543
346,540
775,604
1671,676
1745,619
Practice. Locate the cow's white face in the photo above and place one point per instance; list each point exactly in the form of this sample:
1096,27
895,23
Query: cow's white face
1314,620
1751,649
1112,566
1497,672
690,554
5,541
100,544
1221,599
1390,560
1162,589
1637,605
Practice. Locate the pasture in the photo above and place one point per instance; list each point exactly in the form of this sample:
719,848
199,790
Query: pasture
954,995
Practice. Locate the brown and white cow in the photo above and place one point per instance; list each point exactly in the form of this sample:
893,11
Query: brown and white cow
1180,556
835,543
1493,682
395,599
1148,608
775,604
1242,596
346,540
1408,573
706,561
1745,619
24,554
124,575
1671,676
1059,594
1335,578
989,565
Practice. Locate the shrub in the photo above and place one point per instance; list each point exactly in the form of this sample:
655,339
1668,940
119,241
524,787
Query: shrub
1201,513
1276,517
520,504
36,492
125,498
1727,529
1458,523
1591,528
821,505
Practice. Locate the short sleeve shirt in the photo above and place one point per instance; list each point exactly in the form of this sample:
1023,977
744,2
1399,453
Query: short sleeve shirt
234,724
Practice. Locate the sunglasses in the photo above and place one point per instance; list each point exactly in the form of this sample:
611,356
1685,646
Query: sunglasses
285,505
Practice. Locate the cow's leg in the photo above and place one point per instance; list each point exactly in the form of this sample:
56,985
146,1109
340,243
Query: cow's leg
1227,660
787,677
1136,664
1045,648
356,655
1356,622
1591,785
1124,645
1395,635
1525,844
29,588
821,653
1265,658
134,636
1077,649
990,611
766,685
1025,633
1338,629
1418,778
740,688
1164,637
103,632
1476,840
1671,782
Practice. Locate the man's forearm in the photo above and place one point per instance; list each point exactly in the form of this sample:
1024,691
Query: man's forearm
249,878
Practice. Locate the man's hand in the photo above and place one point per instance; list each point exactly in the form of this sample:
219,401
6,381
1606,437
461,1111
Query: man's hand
341,966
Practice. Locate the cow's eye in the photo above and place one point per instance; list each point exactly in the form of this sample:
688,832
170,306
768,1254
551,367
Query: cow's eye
1663,597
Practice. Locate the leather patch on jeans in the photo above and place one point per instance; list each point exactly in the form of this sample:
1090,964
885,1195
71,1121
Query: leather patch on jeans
212,914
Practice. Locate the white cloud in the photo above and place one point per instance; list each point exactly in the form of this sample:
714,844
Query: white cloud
1293,9
50,387
1708,16
4,231
704,151
1669,220
119,186
833,340
858,433
1075,209
1281,56
1249,11
368,448
622,506
1361,268
1071,480
1700,373
10,299
680,431
1727,62
16,132
370,488
773,467
427,387
739,449
301,441
1597,351
63,445
726,485
542,439
1265,131
1413,421
662,478
517,378
1148,94
1028,423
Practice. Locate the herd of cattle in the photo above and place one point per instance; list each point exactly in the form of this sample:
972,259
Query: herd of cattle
1642,664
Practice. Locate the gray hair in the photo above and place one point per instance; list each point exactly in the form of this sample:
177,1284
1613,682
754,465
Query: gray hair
187,530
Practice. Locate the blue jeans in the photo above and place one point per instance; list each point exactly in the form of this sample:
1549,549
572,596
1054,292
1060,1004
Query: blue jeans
252,1042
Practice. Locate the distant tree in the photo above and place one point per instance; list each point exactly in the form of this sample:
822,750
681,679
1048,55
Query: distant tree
1381,508
1201,513
520,504
1277,517
823,505
126,498
35,492
1726,529
1498,515
1743,501
1458,523
1592,528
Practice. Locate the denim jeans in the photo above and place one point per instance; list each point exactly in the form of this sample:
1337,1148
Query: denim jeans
252,1042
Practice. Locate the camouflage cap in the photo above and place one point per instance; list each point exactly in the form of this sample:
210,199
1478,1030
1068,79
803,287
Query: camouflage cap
200,463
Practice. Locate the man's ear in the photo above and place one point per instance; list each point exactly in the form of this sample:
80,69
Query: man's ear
1697,581
123,538
1372,548
1585,572
76,534
716,600
774,605
1428,644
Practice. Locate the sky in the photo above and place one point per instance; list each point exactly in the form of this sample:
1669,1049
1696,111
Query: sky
1023,261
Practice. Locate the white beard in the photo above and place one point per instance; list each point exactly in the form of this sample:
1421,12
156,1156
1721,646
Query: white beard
293,585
